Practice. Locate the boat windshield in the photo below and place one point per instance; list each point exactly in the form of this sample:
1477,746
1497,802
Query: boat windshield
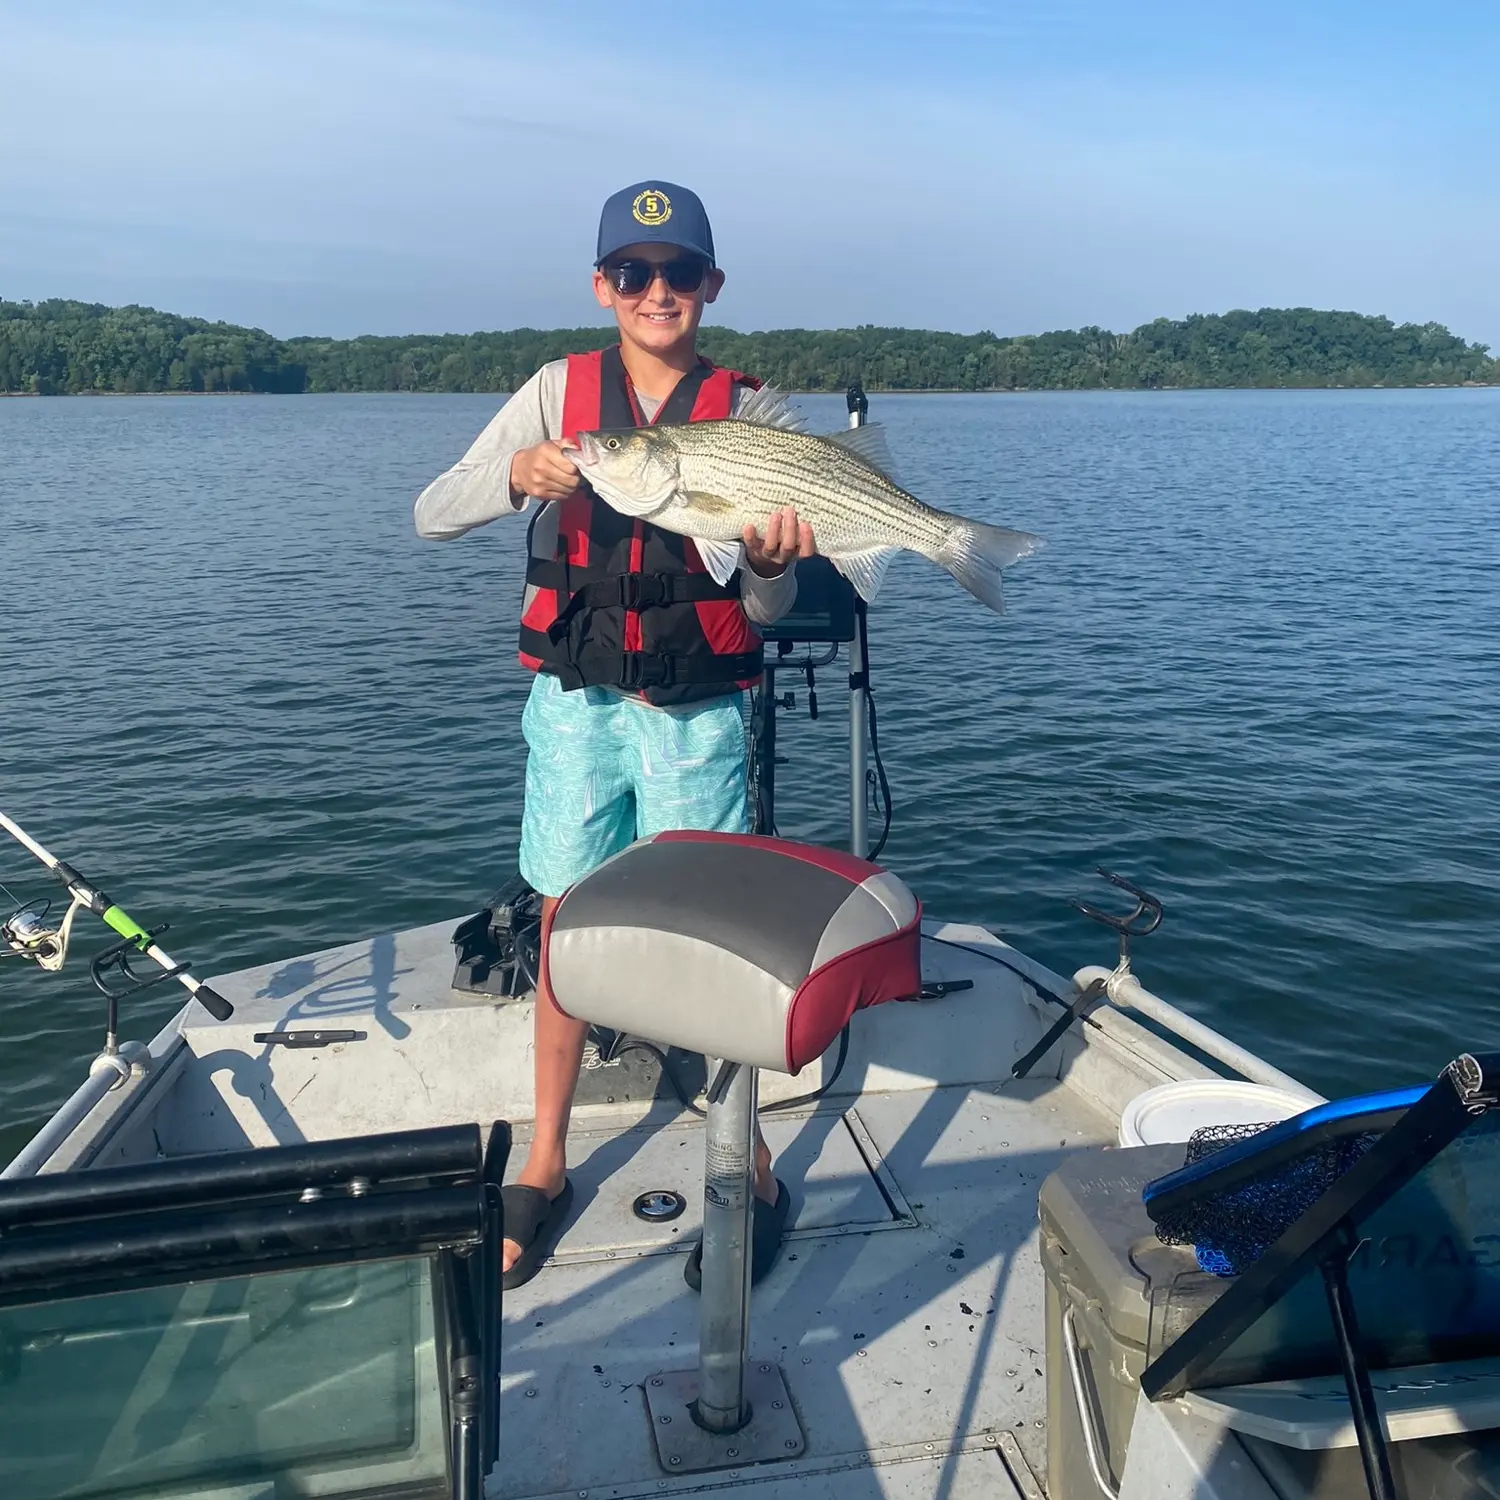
320,1382
319,1319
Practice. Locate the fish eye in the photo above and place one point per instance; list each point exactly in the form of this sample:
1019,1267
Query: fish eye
611,442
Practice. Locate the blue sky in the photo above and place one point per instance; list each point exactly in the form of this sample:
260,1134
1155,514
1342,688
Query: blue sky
394,166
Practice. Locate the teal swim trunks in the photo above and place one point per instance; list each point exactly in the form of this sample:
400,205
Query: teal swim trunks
605,770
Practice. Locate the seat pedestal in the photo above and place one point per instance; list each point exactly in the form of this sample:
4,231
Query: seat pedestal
724,1413
728,1204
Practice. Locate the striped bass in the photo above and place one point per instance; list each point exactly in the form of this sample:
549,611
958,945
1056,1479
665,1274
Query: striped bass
709,480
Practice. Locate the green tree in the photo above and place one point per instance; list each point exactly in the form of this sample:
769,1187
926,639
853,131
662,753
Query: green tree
58,347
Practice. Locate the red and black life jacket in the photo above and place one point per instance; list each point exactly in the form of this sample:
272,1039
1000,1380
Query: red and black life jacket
616,602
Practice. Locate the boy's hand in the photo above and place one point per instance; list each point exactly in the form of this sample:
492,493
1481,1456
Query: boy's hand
543,471
785,539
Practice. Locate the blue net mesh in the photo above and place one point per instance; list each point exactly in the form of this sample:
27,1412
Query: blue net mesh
1231,1229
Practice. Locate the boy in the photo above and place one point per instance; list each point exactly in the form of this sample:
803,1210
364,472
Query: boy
634,723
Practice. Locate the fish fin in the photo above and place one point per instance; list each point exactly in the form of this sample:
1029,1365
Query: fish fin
867,442
767,407
706,503
865,570
976,554
722,559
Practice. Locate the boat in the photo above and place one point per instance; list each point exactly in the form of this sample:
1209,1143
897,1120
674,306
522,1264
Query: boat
258,1257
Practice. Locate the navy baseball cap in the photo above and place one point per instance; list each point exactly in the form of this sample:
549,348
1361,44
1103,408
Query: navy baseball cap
654,212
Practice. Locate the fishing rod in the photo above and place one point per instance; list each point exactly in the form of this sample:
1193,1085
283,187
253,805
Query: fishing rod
27,933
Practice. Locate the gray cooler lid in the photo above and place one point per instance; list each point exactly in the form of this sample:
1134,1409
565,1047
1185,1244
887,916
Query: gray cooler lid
1097,1237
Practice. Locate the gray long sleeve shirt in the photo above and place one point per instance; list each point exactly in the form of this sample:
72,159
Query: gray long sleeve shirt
476,489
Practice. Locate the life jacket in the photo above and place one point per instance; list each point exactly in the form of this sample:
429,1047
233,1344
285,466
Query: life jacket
613,601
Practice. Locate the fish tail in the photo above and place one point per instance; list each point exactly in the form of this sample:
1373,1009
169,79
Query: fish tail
976,554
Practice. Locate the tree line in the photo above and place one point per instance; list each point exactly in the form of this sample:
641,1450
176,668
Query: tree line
61,347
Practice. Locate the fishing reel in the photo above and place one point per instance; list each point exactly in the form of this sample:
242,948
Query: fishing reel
26,933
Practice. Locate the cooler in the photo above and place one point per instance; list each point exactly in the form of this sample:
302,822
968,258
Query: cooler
1426,1281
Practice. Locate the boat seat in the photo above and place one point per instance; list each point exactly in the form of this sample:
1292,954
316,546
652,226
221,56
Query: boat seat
755,952
749,950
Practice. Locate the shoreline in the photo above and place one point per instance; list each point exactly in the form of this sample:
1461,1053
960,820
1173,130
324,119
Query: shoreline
1023,390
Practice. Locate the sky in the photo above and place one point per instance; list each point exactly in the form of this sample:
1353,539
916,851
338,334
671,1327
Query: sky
393,166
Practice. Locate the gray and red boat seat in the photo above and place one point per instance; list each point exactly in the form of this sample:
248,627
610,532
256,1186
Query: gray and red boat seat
750,950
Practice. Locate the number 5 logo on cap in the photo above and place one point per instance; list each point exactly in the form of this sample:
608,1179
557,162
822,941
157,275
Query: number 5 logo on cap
651,208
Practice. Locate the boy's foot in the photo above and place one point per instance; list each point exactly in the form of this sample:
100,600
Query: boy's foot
533,1221
767,1225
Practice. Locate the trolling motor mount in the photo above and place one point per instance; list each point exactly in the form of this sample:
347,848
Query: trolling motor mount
497,951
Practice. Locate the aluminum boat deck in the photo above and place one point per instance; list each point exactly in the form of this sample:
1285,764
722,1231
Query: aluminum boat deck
906,1312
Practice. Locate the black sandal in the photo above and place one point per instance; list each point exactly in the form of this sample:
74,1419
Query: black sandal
768,1223
533,1221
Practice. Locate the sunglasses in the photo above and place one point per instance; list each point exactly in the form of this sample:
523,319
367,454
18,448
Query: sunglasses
631,277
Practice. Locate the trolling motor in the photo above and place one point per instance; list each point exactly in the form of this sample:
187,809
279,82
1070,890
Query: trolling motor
827,613
29,933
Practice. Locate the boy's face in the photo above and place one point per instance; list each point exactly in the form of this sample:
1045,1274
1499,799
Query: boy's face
656,319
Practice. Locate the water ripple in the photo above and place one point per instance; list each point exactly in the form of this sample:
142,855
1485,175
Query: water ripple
1258,668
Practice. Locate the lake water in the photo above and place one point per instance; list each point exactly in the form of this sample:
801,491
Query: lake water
1257,669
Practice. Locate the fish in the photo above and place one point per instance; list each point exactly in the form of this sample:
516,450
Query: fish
709,480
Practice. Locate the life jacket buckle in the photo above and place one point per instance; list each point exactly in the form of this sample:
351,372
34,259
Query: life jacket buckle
644,590
640,669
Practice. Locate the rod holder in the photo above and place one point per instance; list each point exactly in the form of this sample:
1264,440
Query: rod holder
1141,922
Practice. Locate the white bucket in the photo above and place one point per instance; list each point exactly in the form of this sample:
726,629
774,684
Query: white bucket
1173,1111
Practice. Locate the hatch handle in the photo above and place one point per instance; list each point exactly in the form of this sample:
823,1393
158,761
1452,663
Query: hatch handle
308,1038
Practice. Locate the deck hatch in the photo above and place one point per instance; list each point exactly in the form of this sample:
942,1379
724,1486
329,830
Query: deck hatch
840,1183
